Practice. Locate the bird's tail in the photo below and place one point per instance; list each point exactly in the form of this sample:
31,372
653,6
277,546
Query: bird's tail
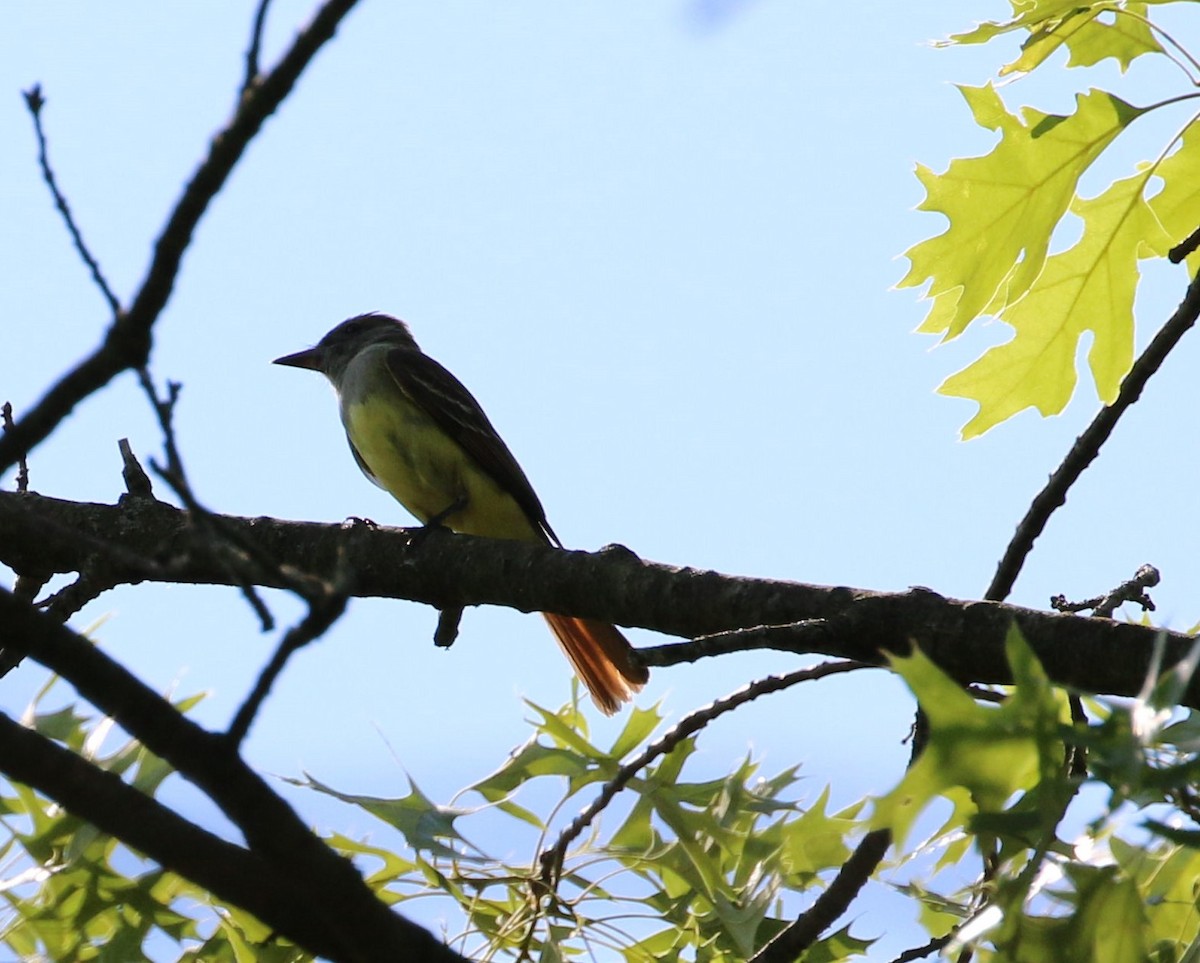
602,657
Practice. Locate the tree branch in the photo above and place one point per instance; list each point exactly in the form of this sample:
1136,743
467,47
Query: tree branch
226,870
1087,446
793,940
141,539
34,101
127,342
333,891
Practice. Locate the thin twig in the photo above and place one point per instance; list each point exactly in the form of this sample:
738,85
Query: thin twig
22,464
551,859
252,54
137,482
1087,446
127,343
174,474
1185,247
1103,606
807,928
35,102
320,616
798,936
786,637
446,632
69,600
61,605
920,952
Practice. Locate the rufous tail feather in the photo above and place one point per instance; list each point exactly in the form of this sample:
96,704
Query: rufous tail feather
602,657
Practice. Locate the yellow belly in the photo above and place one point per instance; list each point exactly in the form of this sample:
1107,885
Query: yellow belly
426,471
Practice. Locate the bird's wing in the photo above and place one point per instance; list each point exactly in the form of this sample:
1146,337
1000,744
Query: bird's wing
444,398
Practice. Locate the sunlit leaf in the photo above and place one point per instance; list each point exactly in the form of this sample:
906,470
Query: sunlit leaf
1177,205
1004,206
1088,287
992,751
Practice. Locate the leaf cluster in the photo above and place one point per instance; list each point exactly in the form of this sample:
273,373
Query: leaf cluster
1004,209
73,893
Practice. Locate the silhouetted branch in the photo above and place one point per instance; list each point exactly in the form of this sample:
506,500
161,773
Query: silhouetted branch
6,422
1103,606
792,941
35,102
324,884
1087,446
321,616
920,952
255,48
127,342
1185,247
101,798
141,540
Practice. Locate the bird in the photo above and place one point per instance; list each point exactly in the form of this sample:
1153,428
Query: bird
419,434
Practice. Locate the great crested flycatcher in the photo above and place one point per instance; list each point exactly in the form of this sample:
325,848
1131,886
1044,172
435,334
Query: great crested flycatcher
417,433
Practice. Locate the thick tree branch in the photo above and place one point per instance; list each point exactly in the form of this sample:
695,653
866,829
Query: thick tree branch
333,891
140,540
127,342
226,870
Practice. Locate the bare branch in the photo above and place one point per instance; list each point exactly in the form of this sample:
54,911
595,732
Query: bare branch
127,342
320,617
35,102
965,638
252,54
137,482
1185,247
1103,606
333,892
785,637
22,465
793,940
100,797
920,952
1087,446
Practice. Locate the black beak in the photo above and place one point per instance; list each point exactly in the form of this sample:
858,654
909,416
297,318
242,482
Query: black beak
308,358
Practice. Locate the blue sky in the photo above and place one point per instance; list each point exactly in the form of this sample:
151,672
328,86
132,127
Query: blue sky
657,242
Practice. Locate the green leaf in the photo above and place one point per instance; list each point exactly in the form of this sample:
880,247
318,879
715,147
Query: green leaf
816,841
1088,287
1110,924
1004,206
423,822
838,946
393,866
638,727
1124,36
529,762
1177,205
564,732
992,751
1166,879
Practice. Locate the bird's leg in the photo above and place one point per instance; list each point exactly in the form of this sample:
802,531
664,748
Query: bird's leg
455,506
418,535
